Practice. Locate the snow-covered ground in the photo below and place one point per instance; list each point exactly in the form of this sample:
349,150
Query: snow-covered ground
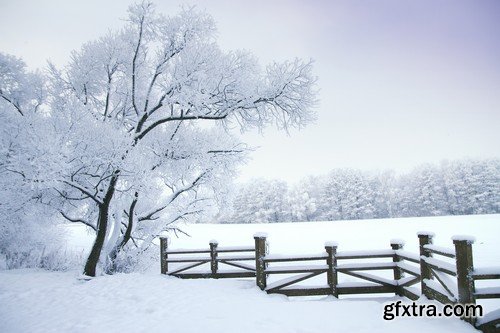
34,301
39,301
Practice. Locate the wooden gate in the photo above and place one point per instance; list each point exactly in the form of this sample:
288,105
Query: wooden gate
222,262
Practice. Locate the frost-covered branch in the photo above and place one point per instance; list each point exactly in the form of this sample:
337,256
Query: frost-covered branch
172,119
78,220
149,216
11,102
84,191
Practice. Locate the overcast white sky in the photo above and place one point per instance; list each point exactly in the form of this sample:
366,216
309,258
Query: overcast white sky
401,82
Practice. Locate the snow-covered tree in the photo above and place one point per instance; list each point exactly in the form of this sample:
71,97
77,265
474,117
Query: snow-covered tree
383,190
302,200
28,234
472,187
422,192
261,201
139,125
347,195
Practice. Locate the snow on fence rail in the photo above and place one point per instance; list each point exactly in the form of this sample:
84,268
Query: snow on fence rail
445,275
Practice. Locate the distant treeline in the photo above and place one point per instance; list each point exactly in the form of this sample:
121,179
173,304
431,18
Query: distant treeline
459,187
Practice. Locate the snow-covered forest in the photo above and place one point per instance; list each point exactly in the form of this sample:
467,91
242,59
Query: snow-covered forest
459,187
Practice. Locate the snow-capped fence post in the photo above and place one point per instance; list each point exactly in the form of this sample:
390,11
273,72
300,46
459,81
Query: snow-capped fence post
465,268
260,265
163,255
213,257
425,238
397,244
331,261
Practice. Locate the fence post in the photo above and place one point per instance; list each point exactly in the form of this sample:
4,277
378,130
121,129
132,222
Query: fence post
425,238
397,244
213,258
260,265
331,261
465,267
163,255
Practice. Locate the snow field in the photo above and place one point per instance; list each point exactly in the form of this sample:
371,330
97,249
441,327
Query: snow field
40,301
310,237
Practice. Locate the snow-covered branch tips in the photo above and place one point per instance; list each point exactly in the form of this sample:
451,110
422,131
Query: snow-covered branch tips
138,124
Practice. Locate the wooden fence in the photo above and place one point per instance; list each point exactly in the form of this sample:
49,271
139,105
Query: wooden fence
445,275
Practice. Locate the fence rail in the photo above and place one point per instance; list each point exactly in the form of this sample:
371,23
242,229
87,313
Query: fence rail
446,275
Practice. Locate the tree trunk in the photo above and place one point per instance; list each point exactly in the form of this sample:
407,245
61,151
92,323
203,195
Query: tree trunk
126,237
102,226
